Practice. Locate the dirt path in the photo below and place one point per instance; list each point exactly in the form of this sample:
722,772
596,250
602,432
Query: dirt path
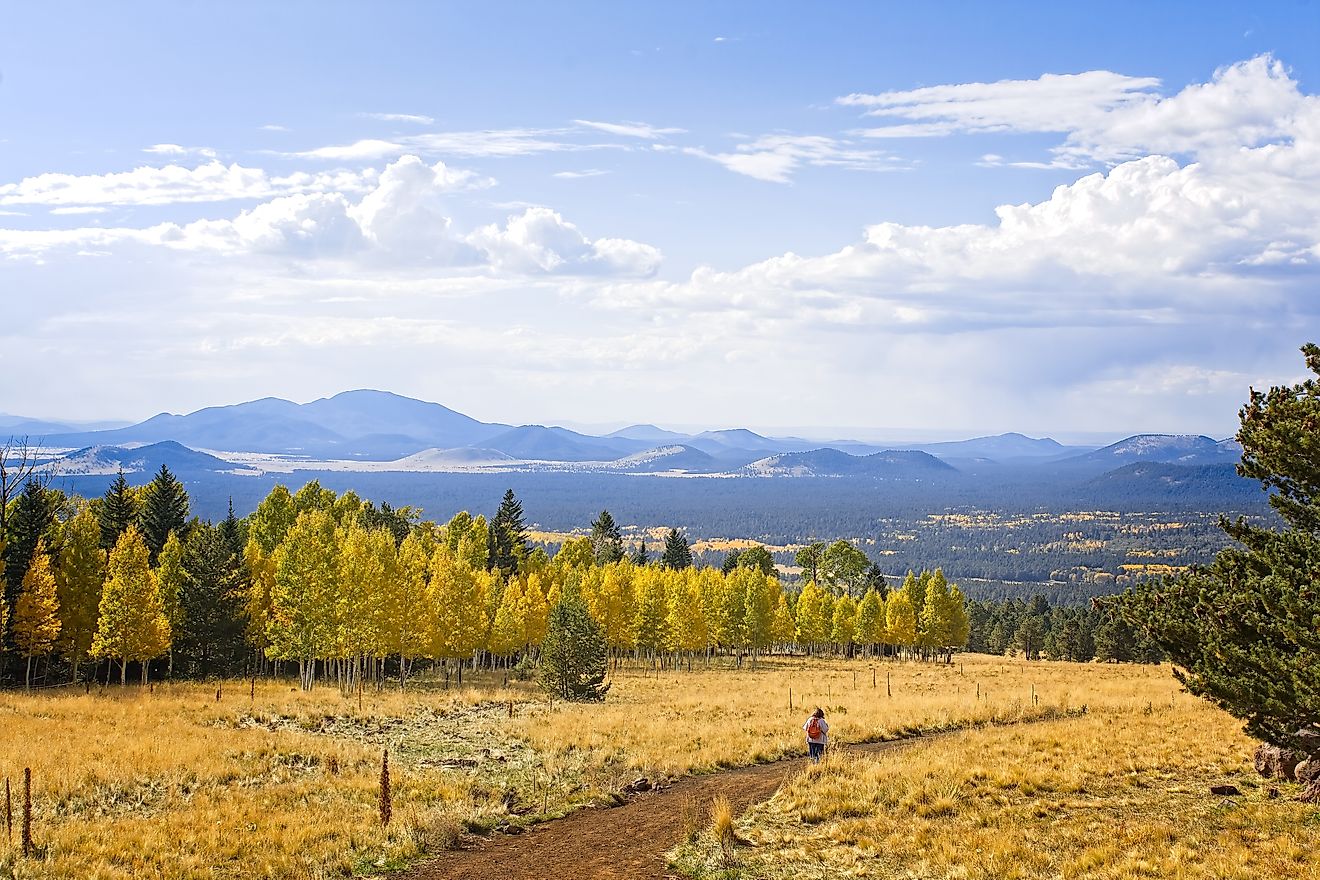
617,842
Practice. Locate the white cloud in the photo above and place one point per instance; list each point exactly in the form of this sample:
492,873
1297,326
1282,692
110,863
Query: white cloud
273,127
540,240
1104,116
173,184
501,143
413,118
176,150
574,175
358,150
631,129
777,157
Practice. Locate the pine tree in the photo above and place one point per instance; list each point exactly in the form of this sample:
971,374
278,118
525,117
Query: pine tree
809,558
639,556
36,613
79,578
211,637
131,624
677,553
574,656
508,537
164,510
119,510
606,539
33,521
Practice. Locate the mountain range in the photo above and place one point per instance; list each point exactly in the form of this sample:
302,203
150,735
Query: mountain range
379,431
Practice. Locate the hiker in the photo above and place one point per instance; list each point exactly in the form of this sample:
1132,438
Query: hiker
818,730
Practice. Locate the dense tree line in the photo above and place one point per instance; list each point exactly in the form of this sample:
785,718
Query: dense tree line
1033,629
341,588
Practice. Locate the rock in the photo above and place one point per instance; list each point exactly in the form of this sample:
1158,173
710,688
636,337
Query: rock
1307,771
641,783
1273,762
1312,793
1225,790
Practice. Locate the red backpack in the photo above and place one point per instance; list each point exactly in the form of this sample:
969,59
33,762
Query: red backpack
813,728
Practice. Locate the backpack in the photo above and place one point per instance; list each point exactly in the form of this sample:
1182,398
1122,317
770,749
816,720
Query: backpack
813,728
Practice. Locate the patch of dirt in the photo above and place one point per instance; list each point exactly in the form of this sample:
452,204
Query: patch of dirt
627,841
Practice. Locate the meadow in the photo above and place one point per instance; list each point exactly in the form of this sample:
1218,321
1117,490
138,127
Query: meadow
271,781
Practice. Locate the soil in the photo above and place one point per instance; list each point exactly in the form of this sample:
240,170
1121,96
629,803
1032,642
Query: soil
627,841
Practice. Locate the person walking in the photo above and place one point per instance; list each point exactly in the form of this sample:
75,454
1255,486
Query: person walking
817,730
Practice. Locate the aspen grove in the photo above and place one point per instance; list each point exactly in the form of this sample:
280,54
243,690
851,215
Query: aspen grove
348,592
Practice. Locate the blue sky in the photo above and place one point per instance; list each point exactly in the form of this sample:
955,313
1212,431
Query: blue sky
692,214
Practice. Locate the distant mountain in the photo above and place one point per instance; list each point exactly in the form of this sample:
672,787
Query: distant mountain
833,463
363,424
669,458
442,459
100,460
647,432
1209,485
998,448
1184,449
539,443
715,442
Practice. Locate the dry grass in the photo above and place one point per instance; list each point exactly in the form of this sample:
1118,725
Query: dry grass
172,784
1120,793
676,723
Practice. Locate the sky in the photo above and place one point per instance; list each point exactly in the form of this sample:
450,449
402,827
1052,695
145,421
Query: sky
939,219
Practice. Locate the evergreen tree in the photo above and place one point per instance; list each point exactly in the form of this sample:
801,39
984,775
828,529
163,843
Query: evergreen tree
33,521
79,578
730,562
1242,632
119,510
677,553
164,510
759,558
606,539
211,638
36,613
508,537
640,556
573,656
843,568
131,624
809,560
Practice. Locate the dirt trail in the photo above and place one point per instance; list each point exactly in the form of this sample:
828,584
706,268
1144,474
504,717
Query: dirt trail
617,842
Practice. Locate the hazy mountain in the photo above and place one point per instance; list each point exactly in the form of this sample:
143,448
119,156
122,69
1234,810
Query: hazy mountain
1208,485
1184,449
364,424
907,463
539,443
647,432
95,460
669,458
999,447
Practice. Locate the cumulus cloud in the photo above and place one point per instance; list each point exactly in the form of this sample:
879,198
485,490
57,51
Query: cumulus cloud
540,240
777,157
1104,116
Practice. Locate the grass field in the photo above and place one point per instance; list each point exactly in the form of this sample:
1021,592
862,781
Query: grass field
282,783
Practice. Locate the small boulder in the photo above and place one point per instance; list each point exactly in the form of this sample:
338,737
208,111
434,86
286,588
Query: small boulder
1307,771
1273,762
1312,793
641,783
1225,790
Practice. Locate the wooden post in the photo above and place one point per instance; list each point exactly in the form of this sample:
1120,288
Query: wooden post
854,679
889,690
27,812
9,815
978,690
872,676
790,696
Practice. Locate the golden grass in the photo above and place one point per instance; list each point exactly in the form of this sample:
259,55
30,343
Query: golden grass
172,784
1120,793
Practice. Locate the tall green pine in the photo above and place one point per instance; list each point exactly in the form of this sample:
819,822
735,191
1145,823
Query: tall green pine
606,539
508,537
573,655
677,553
119,510
164,510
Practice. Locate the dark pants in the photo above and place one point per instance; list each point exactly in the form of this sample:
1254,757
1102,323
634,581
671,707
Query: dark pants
815,750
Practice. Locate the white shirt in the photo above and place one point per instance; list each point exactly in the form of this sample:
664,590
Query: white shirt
824,731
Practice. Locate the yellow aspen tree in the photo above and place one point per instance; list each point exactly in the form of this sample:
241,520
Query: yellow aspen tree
37,610
651,620
575,553
538,603
457,596
257,602
759,593
687,622
410,633
901,620
170,577
843,629
131,623
783,629
304,593
613,610
272,519
812,627
366,563
79,578
960,622
509,630
871,619
934,622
